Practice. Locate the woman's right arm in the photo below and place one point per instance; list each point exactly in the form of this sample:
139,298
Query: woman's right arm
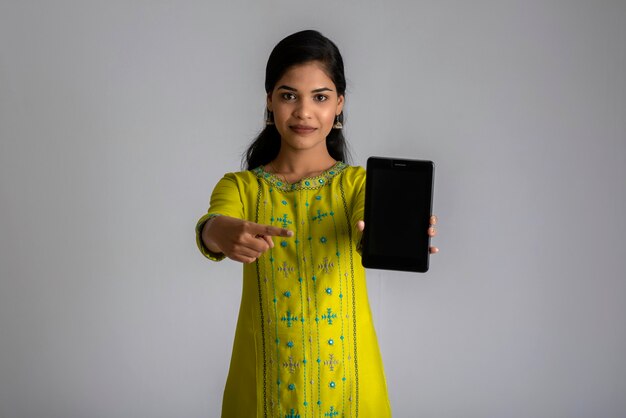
207,240
239,240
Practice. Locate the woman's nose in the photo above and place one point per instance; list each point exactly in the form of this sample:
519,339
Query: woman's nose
303,109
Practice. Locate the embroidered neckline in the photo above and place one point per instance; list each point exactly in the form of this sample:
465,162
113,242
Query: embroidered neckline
305,183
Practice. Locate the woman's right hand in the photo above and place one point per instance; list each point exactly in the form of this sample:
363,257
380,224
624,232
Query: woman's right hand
240,240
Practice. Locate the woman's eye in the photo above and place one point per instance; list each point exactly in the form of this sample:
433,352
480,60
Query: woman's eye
289,96
321,98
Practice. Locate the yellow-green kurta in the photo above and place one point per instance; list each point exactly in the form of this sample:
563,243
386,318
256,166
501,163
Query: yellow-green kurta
305,344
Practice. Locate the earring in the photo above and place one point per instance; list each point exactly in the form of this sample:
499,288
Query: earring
338,124
269,117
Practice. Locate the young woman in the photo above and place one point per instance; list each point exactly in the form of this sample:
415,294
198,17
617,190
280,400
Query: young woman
305,344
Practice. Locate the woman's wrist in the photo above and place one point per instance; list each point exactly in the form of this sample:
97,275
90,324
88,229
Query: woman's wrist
208,242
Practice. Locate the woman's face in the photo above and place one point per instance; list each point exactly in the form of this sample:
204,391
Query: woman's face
305,103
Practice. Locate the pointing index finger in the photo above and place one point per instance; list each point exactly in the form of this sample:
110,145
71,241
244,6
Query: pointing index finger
272,231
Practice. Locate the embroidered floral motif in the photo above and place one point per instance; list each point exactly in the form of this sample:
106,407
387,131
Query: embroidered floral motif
289,318
326,265
329,316
284,221
332,412
291,365
292,414
307,183
285,269
331,362
320,216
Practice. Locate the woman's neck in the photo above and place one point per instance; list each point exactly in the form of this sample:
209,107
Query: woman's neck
293,166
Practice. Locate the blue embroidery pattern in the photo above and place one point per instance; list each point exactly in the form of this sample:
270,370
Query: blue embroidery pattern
292,414
284,221
320,216
289,318
329,316
332,412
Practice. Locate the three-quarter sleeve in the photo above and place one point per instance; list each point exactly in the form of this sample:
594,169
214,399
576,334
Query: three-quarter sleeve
358,204
355,187
225,201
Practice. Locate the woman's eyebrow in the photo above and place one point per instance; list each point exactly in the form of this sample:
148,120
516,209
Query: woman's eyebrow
284,87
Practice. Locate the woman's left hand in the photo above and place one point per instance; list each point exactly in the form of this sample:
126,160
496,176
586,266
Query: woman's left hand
432,231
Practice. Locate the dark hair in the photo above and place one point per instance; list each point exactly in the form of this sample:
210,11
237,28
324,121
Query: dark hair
299,48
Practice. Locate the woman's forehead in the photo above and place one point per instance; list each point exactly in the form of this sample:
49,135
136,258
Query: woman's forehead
310,75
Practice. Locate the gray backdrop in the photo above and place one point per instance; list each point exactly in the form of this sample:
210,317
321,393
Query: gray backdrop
118,117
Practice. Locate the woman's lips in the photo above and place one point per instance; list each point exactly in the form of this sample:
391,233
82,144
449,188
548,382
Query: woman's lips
301,129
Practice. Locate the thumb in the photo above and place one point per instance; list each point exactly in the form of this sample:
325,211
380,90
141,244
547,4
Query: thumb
360,225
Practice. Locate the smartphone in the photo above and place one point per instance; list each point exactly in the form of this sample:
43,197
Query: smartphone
398,206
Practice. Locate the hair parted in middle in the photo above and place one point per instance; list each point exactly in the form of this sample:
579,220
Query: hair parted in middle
299,48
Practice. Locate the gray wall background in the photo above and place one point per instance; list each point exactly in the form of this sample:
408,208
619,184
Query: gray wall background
117,118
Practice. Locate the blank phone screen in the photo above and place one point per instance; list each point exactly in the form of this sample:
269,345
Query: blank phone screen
398,208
